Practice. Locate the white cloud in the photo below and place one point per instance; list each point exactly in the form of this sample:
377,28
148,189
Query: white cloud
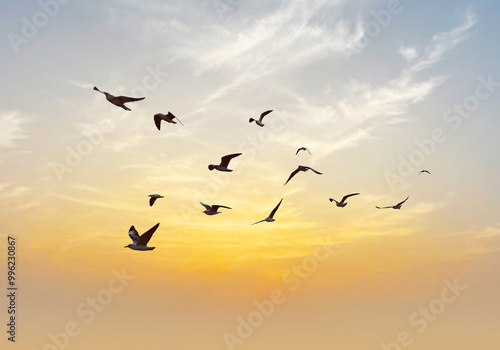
11,128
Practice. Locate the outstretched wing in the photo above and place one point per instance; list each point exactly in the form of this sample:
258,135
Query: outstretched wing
382,207
215,207
275,209
125,99
207,207
146,236
307,151
292,175
402,201
263,114
258,222
317,172
300,149
348,195
152,201
424,171
134,235
224,161
158,118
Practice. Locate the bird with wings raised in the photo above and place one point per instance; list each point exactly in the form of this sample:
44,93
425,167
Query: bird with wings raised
301,168
397,206
141,242
224,163
270,218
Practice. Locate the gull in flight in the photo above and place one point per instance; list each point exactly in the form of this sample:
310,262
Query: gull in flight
343,203
119,100
141,242
212,210
302,149
397,206
169,118
424,171
301,168
270,217
224,162
153,198
259,122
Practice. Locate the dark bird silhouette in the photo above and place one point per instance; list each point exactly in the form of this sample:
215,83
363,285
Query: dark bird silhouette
270,218
302,149
169,118
153,198
301,168
343,203
424,171
140,242
397,206
119,100
259,122
224,162
212,209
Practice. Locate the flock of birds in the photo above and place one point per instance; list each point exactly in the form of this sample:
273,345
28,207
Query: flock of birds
139,242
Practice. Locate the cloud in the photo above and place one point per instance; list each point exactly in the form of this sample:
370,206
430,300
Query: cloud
11,128
409,53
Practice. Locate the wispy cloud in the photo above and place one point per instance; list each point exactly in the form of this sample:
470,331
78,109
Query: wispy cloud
11,128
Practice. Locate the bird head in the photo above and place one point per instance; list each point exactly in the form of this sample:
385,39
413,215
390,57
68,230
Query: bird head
128,245
211,167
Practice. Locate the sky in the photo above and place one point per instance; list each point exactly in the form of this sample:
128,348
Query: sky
376,90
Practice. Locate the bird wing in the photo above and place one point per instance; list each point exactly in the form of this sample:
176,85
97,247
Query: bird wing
382,207
134,235
307,151
348,195
158,118
258,222
424,171
275,209
298,151
179,121
146,236
224,161
206,206
402,201
215,207
124,99
317,172
264,114
292,175
152,201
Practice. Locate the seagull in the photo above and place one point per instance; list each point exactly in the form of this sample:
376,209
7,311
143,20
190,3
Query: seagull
119,100
153,198
270,217
343,203
140,242
259,122
301,168
424,171
224,162
212,210
397,206
169,118
302,149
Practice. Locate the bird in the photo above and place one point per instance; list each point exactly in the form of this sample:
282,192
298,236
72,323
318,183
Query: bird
224,162
212,210
169,118
424,171
397,206
259,122
343,203
119,100
302,149
301,168
140,242
153,198
270,217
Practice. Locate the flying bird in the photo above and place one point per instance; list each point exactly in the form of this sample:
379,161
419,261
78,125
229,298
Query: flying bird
153,198
169,118
397,206
270,217
302,149
212,210
141,242
119,100
343,203
224,162
259,122
424,171
301,168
